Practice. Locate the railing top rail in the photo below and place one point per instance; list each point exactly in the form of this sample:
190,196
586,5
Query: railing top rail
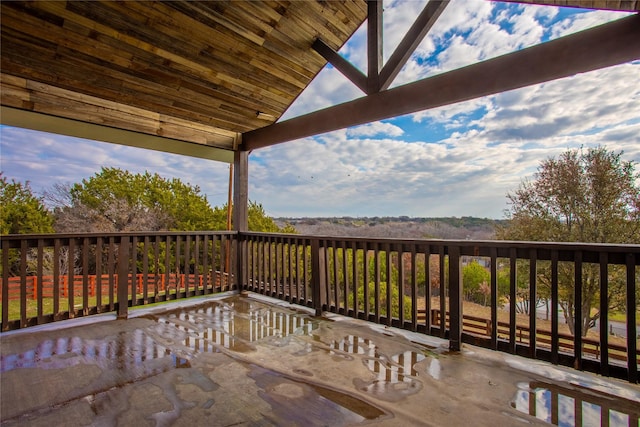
113,234
561,246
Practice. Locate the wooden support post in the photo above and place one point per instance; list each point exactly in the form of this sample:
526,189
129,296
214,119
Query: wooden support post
240,191
240,212
123,277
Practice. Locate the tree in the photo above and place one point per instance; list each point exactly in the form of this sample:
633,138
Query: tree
21,212
582,196
474,282
117,200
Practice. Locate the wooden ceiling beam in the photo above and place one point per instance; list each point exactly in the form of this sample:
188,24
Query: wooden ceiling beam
610,44
62,126
410,42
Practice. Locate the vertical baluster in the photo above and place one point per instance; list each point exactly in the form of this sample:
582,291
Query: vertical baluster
400,255
135,288
414,289
71,278
604,313
533,256
188,275
455,299
376,292
289,269
355,279
316,282
336,277
205,264
123,277
157,277
366,279
427,288
5,284
345,274
577,293
632,332
98,280
493,253
443,293
39,290
145,270
23,283
512,299
179,272
85,276
554,308
389,283
111,271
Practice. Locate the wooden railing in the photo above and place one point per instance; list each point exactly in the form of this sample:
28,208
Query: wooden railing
386,281
392,282
65,276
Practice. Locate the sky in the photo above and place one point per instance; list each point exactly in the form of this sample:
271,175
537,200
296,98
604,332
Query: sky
458,160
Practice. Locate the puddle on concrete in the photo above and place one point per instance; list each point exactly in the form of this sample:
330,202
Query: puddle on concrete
236,325
126,351
170,345
573,405
298,403
395,376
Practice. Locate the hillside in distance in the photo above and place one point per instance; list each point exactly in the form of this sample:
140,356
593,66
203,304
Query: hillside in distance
402,227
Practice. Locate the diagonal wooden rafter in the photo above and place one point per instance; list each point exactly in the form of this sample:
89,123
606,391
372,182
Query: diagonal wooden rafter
410,42
610,44
356,76
380,77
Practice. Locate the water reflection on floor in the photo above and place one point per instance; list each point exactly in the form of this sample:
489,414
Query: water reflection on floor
243,361
572,405
175,338
395,376
178,334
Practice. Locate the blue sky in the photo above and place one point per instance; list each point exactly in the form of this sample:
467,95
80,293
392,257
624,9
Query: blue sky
458,160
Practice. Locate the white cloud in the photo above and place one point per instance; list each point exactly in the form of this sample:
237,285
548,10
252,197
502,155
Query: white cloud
375,128
583,21
45,159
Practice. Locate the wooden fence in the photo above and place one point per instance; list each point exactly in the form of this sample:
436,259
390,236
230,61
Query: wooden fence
160,283
482,327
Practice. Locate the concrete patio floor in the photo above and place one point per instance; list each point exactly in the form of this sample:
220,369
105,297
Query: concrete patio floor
246,360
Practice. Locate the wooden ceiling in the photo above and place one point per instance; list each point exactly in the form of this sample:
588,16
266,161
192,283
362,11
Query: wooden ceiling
181,76
628,5
194,71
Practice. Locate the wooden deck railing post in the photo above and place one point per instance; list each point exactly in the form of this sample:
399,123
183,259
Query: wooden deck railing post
317,276
123,278
455,299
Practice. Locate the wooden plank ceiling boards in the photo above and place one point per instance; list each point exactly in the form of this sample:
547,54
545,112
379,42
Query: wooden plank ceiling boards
626,5
199,77
199,72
